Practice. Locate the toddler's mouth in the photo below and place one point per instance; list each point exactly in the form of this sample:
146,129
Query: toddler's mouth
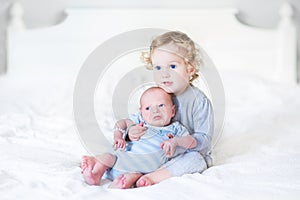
167,83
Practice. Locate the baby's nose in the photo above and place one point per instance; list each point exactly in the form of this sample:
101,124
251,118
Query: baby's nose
155,109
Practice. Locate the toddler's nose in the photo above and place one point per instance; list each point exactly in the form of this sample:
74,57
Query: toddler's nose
166,73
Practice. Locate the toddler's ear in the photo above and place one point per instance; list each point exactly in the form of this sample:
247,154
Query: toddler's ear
191,70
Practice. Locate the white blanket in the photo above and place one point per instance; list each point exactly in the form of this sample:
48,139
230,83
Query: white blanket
257,156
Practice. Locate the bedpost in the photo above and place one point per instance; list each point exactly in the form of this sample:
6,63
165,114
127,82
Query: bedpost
16,17
287,47
16,25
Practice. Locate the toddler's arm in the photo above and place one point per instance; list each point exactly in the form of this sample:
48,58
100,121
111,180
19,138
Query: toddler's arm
186,142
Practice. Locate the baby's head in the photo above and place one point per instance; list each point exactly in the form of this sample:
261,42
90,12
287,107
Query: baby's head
177,43
157,107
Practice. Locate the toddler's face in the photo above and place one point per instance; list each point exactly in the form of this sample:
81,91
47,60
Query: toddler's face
157,108
170,70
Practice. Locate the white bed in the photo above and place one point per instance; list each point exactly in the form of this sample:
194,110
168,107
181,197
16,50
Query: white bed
256,157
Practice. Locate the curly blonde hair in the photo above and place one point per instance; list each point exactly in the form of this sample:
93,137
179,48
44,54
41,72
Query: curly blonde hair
185,47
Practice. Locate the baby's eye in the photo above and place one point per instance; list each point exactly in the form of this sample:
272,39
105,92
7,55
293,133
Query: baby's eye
147,108
172,66
157,67
161,105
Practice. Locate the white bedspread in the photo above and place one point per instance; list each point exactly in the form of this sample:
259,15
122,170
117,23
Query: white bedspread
257,157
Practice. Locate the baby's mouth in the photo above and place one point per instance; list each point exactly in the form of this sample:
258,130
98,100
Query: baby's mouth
157,117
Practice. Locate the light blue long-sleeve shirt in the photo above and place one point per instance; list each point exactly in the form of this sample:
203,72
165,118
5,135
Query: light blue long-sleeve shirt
195,112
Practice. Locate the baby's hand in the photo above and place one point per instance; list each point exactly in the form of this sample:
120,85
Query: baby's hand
119,143
169,147
136,131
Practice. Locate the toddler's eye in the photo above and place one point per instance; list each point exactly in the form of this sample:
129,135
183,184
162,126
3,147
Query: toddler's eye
161,105
173,66
147,108
157,67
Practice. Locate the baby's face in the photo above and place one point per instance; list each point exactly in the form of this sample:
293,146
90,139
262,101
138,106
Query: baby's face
157,108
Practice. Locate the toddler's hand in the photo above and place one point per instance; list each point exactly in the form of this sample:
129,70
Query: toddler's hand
169,147
136,131
119,143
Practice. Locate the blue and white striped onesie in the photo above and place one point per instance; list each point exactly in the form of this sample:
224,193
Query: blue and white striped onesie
145,155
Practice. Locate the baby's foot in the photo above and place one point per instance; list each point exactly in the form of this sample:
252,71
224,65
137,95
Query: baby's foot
92,177
125,181
144,181
119,182
92,170
87,162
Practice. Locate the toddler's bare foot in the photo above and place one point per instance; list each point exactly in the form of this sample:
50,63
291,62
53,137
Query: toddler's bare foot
144,181
125,181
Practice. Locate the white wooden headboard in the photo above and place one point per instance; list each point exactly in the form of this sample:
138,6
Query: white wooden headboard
231,45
